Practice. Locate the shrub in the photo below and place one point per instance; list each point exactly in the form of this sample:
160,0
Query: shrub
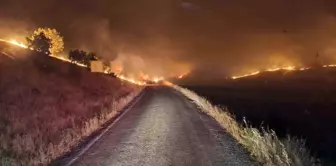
82,57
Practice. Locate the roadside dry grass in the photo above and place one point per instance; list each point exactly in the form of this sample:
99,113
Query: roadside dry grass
48,106
263,145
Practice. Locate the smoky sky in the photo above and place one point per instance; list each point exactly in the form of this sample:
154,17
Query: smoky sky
223,37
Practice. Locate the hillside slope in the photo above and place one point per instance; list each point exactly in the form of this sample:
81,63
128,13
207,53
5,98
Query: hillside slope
47,106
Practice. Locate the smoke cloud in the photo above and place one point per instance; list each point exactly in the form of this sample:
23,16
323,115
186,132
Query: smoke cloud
211,38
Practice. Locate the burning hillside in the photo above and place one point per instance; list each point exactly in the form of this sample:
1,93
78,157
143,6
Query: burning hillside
50,105
116,68
148,71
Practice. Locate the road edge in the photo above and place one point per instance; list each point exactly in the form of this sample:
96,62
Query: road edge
68,161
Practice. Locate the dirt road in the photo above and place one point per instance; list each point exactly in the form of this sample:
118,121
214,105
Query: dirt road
163,128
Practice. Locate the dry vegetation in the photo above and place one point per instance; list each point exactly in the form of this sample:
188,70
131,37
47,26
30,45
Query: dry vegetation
48,106
264,145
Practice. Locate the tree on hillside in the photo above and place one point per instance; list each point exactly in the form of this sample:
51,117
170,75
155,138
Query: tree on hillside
82,57
56,40
89,57
77,56
40,43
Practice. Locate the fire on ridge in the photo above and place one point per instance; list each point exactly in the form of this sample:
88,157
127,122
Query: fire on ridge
288,68
142,80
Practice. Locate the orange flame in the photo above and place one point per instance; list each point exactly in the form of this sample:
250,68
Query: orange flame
183,75
288,68
157,79
14,42
246,75
131,80
333,65
67,60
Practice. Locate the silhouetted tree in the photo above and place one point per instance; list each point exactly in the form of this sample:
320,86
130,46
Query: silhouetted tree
82,57
40,43
56,40
77,56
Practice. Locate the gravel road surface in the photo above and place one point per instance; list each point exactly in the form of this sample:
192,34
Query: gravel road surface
164,128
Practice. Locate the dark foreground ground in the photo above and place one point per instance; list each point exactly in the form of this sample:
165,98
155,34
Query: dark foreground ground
163,128
301,104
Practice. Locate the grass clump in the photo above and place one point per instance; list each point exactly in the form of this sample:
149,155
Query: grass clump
263,145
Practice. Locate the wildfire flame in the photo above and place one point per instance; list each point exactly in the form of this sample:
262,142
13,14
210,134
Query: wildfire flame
329,65
288,68
62,58
67,60
183,75
131,80
158,79
18,44
14,42
22,45
246,75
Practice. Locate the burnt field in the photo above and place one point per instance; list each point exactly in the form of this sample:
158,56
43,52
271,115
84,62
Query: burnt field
300,103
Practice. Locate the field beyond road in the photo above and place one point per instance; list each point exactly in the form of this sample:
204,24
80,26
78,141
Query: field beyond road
48,106
301,104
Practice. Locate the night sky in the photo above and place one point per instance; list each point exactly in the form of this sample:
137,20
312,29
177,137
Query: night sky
166,37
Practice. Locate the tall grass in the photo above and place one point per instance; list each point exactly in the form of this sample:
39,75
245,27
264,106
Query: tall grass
263,145
36,147
47,107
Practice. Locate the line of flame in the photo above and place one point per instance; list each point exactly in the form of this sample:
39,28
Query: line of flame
288,68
